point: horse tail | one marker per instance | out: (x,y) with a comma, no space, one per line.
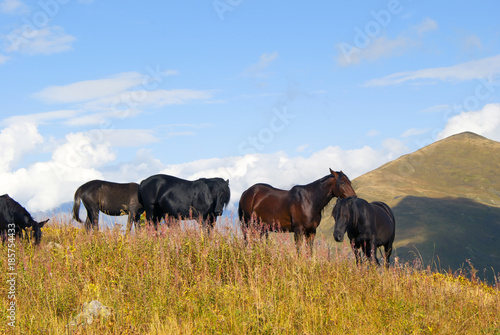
(139,196)
(76,205)
(241,205)
(240,211)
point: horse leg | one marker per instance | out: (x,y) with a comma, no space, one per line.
(130,221)
(299,238)
(244,230)
(93,219)
(310,235)
(355,249)
(150,214)
(208,224)
(387,253)
(370,252)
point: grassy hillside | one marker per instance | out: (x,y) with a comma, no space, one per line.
(181,281)
(446,200)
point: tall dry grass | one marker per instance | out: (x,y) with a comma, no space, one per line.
(181,280)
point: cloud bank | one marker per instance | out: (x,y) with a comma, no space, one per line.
(485,122)
(476,69)
(84,156)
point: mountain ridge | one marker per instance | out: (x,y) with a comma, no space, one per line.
(446,200)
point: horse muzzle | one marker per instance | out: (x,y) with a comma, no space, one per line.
(338,237)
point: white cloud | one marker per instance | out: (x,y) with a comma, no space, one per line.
(426,26)
(283,171)
(81,150)
(472,43)
(100,118)
(485,122)
(3,59)
(48,40)
(160,98)
(257,70)
(373,133)
(45,185)
(90,89)
(80,157)
(15,141)
(302,148)
(120,96)
(12,7)
(380,47)
(366,47)
(476,69)
(38,118)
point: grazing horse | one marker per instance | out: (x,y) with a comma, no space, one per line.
(110,198)
(15,219)
(297,210)
(368,225)
(168,195)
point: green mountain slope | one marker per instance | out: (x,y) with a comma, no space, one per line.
(446,200)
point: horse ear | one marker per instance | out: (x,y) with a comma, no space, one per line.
(332,172)
(41,224)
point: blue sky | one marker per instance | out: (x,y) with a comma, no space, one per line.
(254,91)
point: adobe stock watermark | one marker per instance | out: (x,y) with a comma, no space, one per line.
(40,19)
(11,275)
(280,119)
(364,36)
(223,6)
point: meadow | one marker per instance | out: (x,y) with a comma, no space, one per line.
(181,280)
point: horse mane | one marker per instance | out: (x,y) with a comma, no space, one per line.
(352,209)
(355,211)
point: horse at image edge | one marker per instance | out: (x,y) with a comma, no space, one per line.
(11,212)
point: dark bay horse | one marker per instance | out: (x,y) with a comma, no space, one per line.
(15,219)
(163,195)
(368,225)
(110,198)
(297,210)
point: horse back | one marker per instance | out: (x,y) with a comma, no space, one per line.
(12,212)
(270,204)
(176,196)
(111,198)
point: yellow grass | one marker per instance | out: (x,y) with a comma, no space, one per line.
(180,280)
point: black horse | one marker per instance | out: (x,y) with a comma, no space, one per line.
(163,195)
(15,219)
(297,210)
(368,225)
(110,198)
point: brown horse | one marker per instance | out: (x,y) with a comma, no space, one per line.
(297,210)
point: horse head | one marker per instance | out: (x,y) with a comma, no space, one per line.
(223,196)
(219,193)
(342,187)
(346,214)
(36,230)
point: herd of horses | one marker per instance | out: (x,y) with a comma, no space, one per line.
(262,206)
